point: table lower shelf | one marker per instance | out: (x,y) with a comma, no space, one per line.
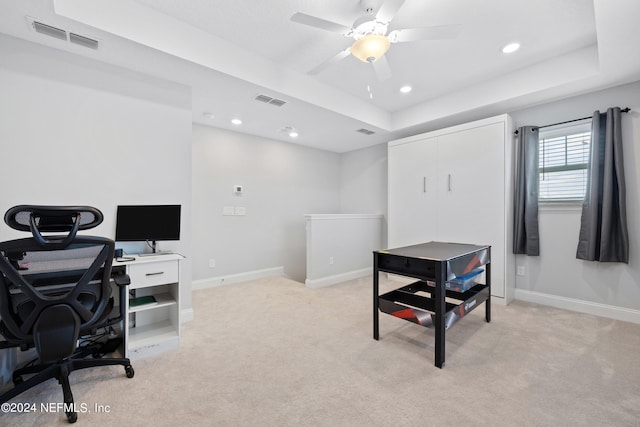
(404,303)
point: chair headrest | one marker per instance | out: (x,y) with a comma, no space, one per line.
(57,219)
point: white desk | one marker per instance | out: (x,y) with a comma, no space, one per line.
(154,327)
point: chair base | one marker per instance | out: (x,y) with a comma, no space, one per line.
(60,371)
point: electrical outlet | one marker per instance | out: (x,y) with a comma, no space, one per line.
(212,263)
(330,260)
(520,271)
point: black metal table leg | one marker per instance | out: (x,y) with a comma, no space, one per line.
(487,303)
(376,314)
(440,310)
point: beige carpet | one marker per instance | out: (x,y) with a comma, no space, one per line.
(272,353)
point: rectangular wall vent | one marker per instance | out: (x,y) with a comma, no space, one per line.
(269,100)
(365,131)
(50,31)
(83,41)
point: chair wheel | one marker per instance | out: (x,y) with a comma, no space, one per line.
(72,417)
(17,380)
(129,370)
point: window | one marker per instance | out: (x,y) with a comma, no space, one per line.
(564,160)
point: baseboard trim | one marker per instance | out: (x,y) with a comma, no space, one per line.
(587,307)
(338,278)
(213,282)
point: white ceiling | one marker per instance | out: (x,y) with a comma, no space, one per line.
(230,51)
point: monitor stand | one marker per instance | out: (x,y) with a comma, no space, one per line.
(154,246)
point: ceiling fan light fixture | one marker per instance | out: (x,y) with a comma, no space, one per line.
(365,26)
(370,48)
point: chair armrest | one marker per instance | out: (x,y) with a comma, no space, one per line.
(122,279)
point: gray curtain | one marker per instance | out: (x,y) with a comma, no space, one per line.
(525,226)
(603,228)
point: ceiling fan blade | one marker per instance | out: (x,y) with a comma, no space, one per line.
(388,10)
(440,32)
(382,69)
(323,24)
(340,56)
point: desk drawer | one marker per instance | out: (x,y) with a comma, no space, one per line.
(153,274)
(413,267)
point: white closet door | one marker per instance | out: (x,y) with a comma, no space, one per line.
(472,190)
(468,192)
(412,192)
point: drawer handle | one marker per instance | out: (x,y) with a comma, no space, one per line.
(155,274)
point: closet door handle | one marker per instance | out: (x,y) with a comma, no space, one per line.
(450,182)
(424,184)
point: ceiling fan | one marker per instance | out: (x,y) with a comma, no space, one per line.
(369,32)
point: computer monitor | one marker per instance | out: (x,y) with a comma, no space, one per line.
(150,223)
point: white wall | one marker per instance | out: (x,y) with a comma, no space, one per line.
(363,180)
(340,247)
(282,182)
(363,183)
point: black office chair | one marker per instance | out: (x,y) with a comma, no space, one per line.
(55,295)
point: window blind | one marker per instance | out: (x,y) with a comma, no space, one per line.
(563,162)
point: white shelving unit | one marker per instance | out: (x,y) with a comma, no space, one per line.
(152,327)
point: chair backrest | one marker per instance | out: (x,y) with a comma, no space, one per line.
(52,283)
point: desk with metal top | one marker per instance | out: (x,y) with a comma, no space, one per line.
(425,302)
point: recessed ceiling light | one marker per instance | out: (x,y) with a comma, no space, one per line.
(406,89)
(511,47)
(293,134)
(236,121)
(208,115)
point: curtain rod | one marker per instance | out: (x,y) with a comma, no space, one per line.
(625,110)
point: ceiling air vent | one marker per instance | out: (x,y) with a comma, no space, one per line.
(59,33)
(269,100)
(263,98)
(50,31)
(365,131)
(83,41)
(277,102)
